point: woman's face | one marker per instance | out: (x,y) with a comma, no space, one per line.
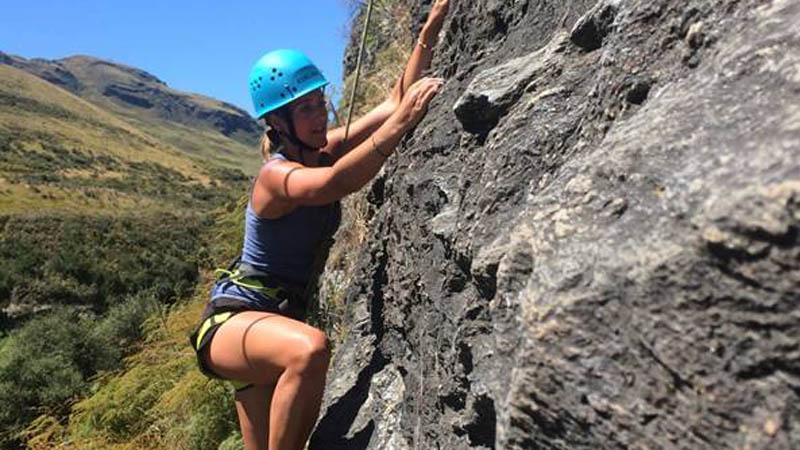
(310,116)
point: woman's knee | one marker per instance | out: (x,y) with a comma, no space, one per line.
(311,355)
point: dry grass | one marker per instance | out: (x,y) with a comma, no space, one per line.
(391,20)
(60,152)
(77,123)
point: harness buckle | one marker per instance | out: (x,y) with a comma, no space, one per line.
(247,276)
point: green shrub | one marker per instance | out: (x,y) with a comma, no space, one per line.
(6,283)
(94,261)
(113,273)
(51,361)
(121,328)
(233,442)
(45,364)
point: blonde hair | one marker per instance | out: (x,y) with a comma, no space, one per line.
(270,140)
(266,146)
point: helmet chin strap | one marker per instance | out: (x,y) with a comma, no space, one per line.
(292,136)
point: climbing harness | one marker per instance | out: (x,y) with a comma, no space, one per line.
(217,312)
(246,276)
(289,301)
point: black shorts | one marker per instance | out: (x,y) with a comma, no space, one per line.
(217,312)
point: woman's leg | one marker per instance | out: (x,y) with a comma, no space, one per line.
(252,407)
(269,351)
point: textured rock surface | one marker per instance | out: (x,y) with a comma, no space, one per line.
(592,241)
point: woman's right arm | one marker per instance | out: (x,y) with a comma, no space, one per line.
(300,185)
(418,63)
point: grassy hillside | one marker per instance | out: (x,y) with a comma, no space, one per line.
(189,122)
(199,126)
(102,226)
(155,397)
(59,152)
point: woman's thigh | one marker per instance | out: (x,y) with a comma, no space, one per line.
(256,347)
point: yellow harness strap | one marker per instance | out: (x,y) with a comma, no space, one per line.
(207,324)
(210,322)
(247,282)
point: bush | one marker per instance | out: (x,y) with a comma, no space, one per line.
(233,442)
(164,400)
(102,277)
(152,396)
(214,421)
(121,328)
(44,365)
(50,361)
(91,261)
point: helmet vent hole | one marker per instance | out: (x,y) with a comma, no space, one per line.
(283,95)
(274,70)
(272,78)
(280,74)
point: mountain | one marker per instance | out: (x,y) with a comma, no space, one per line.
(60,152)
(196,124)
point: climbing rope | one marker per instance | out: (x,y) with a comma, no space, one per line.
(358,70)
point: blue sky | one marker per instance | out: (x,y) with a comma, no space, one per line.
(202,46)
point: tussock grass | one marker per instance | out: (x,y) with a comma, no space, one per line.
(33,108)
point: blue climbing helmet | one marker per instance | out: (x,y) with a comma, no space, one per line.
(281,76)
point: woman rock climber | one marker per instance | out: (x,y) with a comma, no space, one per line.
(252,331)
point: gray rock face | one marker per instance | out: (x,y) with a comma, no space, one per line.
(592,241)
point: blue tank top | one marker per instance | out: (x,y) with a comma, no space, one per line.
(288,246)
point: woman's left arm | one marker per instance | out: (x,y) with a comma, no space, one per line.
(418,63)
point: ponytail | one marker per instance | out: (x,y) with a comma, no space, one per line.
(272,139)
